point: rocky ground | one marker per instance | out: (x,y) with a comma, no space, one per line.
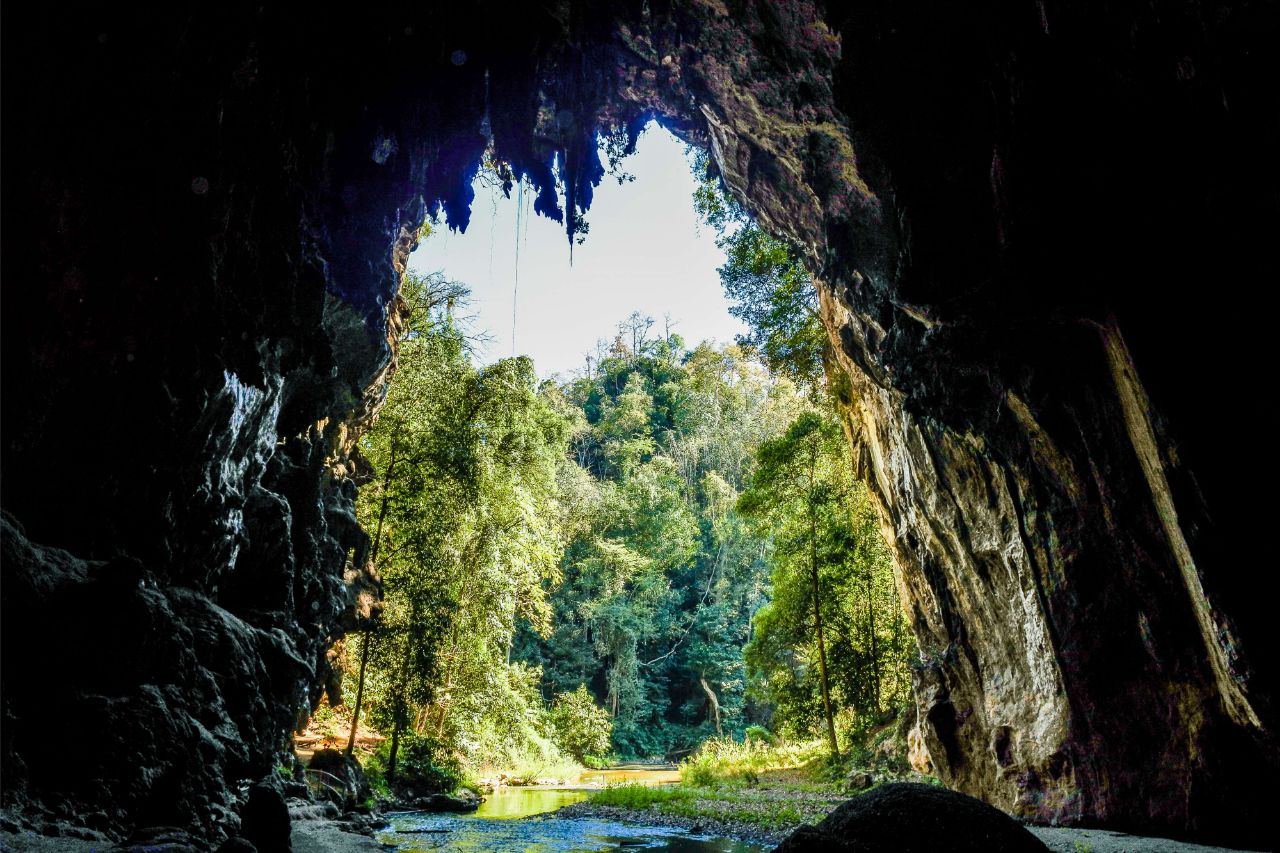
(312,835)
(1064,840)
(1057,839)
(709,824)
(323,835)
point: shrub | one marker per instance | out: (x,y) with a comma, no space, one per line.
(759,734)
(580,726)
(422,763)
(636,796)
(721,760)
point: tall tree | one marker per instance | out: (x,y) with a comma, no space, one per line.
(833,607)
(798,492)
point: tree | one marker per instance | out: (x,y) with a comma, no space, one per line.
(797,491)
(397,444)
(661,575)
(463,505)
(582,727)
(834,608)
(768,286)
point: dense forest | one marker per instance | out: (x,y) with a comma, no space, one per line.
(667,547)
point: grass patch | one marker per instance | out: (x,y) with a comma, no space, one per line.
(529,768)
(724,761)
(641,796)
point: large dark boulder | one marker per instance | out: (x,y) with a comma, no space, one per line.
(908,817)
(264,822)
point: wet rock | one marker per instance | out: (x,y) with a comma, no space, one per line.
(237,845)
(446,803)
(161,839)
(362,824)
(913,818)
(858,780)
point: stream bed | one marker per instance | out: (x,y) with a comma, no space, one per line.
(518,820)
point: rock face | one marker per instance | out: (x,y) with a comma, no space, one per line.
(1021,225)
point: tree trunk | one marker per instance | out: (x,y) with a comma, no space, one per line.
(817,608)
(871,636)
(712,702)
(400,709)
(368,634)
(395,748)
(355,716)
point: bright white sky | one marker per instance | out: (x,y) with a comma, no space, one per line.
(644,252)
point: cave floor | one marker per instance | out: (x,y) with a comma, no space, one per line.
(323,836)
(1064,840)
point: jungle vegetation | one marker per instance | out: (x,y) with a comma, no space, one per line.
(668,547)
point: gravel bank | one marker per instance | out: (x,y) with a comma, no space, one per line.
(700,825)
(1057,839)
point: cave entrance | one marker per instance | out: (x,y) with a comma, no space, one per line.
(609,492)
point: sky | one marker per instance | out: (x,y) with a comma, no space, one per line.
(645,251)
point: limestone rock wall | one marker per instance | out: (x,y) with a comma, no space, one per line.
(993,209)
(1037,234)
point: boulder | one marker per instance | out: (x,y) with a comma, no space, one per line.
(446,803)
(339,779)
(912,818)
(264,822)
(858,780)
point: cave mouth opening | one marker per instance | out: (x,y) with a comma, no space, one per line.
(666,429)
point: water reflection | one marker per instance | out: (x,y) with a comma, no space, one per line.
(631,776)
(512,803)
(516,820)
(546,835)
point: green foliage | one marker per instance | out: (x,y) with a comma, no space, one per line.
(574,570)
(721,761)
(759,734)
(581,727)
(640,796)
(423,763)
(724,804)
(828,557)
(660,574)
(767,285)
(466,532)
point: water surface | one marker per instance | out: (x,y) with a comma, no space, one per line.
(517,820)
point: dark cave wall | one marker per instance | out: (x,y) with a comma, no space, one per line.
(1021,224)
(1026,370)
(202,242)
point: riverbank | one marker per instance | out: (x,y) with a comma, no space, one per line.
(763,811)
(747,818)
(706,821)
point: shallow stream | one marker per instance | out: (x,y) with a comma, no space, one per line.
(517,820)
